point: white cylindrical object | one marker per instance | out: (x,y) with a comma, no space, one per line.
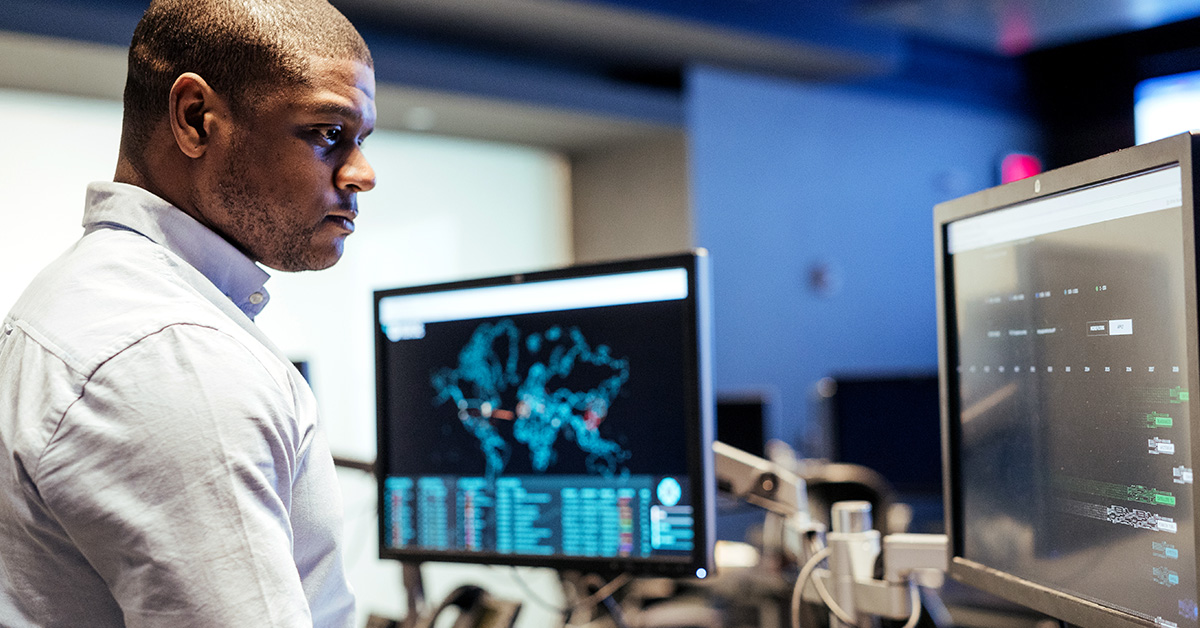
(854,547)
(851,516)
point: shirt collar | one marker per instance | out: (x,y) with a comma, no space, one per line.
(133,208)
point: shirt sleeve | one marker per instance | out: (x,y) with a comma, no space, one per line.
(173,473)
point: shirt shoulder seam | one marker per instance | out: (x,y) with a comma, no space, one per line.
(87,376)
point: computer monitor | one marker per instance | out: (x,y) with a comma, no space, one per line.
(559,419)
(1166,105)
(1068,346)
(742,421)
(889,423)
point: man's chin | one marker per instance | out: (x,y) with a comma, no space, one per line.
(312,260)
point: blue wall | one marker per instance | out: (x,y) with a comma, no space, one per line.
(789,177)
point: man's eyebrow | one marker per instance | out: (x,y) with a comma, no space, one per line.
(337,109)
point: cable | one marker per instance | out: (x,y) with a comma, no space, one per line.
(814,545)
(607,590)
(834,607)
(844,617)
(915,600)
(802,579)
(614,611)
(533,596)
(600,595)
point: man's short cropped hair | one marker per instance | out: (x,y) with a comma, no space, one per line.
(237,46)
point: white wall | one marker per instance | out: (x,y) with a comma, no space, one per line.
(631,199)
(443,209)
(65,142)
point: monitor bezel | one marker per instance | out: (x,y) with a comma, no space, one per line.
(699,434)
(1175,150)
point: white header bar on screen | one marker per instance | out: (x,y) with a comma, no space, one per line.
(1141,194)
(540,296)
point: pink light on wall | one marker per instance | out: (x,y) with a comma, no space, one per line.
(1017,166)
(1015,34)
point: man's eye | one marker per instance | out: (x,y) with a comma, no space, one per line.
(331,135)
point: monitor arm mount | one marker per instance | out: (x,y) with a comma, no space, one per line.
(775,489)
(759,482)
(848,586)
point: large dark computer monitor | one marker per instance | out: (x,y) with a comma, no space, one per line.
(559,418)
(742,421)
(1068,348)
(889,423)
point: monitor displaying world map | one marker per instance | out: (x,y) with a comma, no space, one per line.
(551,416)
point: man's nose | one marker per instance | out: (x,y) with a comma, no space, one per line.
(356,174)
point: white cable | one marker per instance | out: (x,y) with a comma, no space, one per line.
(806,574)
(834,607)
(915,597)
(802,579)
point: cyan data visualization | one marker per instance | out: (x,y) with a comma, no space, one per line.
(532,419)
(546,408)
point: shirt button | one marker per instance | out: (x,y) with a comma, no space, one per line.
(256,298)
(7,329)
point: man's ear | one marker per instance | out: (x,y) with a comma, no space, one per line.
(192,113)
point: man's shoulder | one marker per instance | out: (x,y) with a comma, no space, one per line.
(111,289)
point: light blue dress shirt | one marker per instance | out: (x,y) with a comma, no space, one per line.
(161,463)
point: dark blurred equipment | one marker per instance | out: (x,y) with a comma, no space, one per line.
(889,423)
(830,483)
(476,609)
(302,368)
(741,421)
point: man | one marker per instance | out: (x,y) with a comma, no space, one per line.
(161,464)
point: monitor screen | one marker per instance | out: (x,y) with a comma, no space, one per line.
(1166,105)
(889,423)
(559,418)
(1067,307)
(741,422)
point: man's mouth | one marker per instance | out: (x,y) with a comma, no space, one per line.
(341,221)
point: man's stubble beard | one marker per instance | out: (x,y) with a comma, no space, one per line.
(257,226)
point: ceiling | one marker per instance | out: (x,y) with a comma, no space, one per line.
(623,60)
(1018,26)
(803,38)
(812,37)
(969,52)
